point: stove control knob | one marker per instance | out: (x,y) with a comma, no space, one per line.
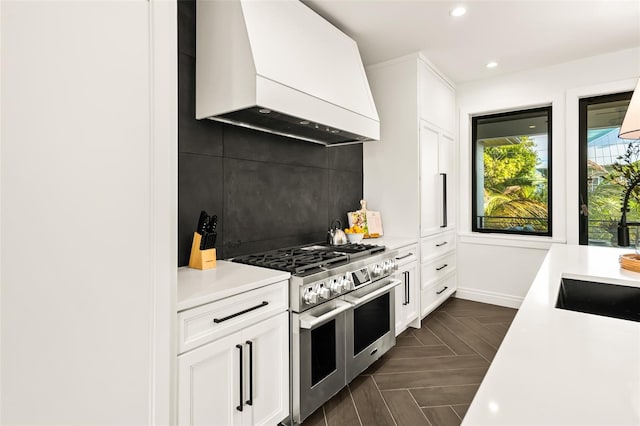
(376,271)
(394,265)
(336,286)
(386,266)
(310,297)
(324,292)
(346,283)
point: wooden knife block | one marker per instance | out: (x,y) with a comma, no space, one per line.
(201,259)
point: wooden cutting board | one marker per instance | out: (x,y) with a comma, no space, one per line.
(368,219)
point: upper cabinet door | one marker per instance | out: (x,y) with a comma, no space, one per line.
(438,100)
(437,180)
(448,185)
(430,181)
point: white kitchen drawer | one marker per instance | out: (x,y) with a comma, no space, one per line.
(437,245)
(437,268)
(434,294)
(209,322)
(407,254)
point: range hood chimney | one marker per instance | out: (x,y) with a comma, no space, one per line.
(277,66)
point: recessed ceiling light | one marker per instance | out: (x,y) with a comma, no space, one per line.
(533,126)
(457,11)
(264,111)
(492,64)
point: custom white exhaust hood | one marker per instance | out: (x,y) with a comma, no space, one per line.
(277,66)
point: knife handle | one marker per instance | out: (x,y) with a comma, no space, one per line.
(202,222)
(213,223)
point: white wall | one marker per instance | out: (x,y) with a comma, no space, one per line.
(498,269)
(87,234)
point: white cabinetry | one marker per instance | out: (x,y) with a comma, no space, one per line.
(438,270)
(98,349)
(437,180)
(239,372)
(437,98)
(410,176)
(407,293)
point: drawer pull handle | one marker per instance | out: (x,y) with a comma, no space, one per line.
(404,257)
(441,291)
(241,382)
(253,308)
(441,244)
(442,267)
(250,400)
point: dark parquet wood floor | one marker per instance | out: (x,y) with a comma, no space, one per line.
(429,377)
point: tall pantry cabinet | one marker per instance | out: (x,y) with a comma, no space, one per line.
(410,176)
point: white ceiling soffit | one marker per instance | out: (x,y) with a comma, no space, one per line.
(517,34)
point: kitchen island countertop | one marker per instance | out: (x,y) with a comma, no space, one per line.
(196,287)
(560,367)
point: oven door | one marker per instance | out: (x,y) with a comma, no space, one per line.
(318,356)
(371,325)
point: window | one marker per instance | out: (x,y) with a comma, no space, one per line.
(603,161)
(511,172)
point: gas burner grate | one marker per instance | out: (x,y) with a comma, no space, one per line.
(294,260)
(358,248)
(304,260)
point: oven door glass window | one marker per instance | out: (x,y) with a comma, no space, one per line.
(370,322)
(323,351)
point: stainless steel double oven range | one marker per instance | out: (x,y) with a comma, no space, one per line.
(342,315)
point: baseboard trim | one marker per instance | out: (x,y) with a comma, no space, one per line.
(490,297)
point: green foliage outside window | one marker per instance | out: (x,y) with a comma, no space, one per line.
(605,199)
(515,192)
(509,165)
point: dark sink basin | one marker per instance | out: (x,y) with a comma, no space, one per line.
(616,301)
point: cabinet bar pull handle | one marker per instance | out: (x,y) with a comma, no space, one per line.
(445,287)
(219,320)
(239,407)
(441,244)
(408,288)
(444,200)
(404,257)
(442,267)
(404,278)
(250,400)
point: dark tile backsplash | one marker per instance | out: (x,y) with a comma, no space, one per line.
(200,187)
(345,189)
(267,190)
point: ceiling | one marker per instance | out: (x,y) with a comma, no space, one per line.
(518,34)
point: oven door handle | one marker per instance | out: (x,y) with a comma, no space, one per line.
(308,321)
(361,300)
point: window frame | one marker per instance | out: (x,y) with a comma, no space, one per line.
(474,177)
(583,104)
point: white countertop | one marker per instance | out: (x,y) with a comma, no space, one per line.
(559,367)
(391,242)
(196,287)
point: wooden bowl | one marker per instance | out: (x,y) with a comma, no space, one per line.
(630,262)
